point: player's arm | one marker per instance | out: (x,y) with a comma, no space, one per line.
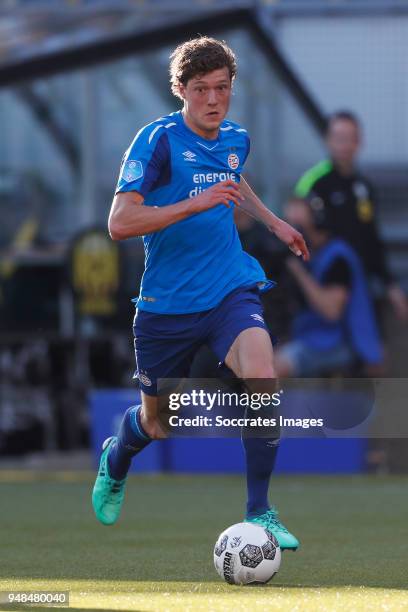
(329,301)
(129,217)
(285,232)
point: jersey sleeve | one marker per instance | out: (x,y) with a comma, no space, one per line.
(146,164)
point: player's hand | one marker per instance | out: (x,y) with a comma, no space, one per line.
(220,193)
(294,239)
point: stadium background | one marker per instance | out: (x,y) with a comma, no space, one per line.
(77,80)
(65,290)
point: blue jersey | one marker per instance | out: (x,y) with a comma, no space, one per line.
(193,264)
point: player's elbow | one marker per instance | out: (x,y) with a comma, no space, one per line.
(125,218)
(115,235)
(118,224)
(118,229)
(115,230)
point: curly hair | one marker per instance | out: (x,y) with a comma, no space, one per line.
(197,57)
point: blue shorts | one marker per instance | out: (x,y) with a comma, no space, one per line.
(165,345)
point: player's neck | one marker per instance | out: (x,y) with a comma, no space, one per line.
(206,134)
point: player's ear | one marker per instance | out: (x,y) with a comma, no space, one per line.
(182,90)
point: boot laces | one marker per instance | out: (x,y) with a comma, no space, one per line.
(273,522)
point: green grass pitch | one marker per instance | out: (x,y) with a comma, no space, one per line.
(354,535)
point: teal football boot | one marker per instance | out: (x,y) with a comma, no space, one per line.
(108,493)
(270,521)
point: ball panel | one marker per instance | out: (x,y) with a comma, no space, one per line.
(272,538)
(269,550)
(251,555)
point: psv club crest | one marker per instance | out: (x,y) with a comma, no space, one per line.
(233,161)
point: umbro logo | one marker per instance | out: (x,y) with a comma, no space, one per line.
(189,156)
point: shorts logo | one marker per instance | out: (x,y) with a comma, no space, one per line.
(233,161)
(145,380)
(258,317)
(132,170)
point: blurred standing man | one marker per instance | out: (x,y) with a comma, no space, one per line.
(349,202)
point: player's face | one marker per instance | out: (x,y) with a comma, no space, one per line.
(343,141)
(206,101)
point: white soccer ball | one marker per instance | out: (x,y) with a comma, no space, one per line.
(245,553)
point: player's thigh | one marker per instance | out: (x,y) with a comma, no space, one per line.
(251,354)
(163,350)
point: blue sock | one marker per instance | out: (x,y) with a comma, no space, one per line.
(260,454)
(131,440)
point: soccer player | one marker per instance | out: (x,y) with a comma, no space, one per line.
(179,182)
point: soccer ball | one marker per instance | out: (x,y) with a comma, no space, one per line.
(245,553)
